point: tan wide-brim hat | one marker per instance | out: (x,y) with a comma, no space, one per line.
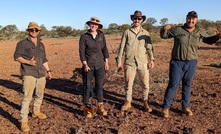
(95,20)
(138,13)
(33,25)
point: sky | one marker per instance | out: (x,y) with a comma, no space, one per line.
(76,13)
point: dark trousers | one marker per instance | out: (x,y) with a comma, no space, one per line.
(98,75)
(180,71)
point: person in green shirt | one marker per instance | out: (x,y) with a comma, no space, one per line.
(184,59)
(137,47)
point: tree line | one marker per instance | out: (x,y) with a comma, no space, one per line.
(10,32)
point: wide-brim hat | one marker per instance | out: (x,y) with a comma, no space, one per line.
(95,20)
(138,13)
(33,25)
(192,14)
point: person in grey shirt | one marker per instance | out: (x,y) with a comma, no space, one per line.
(34,68)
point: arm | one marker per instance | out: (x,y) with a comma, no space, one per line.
(31,62)
(106,54)
(48,70)
(164,32)
(121,50)
(212,39)
(82,48)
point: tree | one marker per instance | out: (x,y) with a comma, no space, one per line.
(151,20)
(9,31)
(113,26)
(164,21)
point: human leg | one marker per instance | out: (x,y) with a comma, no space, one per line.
(99,79)
(144,77)
(39,94)
(28,83)
(130,73)
(190,70)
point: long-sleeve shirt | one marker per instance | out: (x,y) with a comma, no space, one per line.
(186,44)
(137,48)
(28,50)
(94,51)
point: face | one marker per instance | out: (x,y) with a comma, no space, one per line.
(137,21)
(191,21)
(93,27)
(33,32)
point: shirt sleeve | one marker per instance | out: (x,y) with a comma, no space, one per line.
(121,47)
(82,49)
(19,50)
(105,50)
(208,39)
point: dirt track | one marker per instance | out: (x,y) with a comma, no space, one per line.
(62,99)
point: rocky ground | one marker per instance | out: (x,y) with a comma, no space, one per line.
(63,95)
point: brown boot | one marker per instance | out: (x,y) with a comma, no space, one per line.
(88,114)
(146,106)
(188,112)
(126,106)
(165,113)
(38,113)
(25,126)
(101,110)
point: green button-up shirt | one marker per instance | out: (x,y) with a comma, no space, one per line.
(186,44)
(137,48)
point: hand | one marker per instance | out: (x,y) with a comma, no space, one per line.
(167,27)
(151,64)
(119,67)
(86,68)
(32,62)
(49,76)
(218,33)
(106,66)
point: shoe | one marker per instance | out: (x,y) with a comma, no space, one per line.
(165,113)
(188,112)
(25,126)
(147,107)
(88,114)
(126,106)
(101,110)
(40,115)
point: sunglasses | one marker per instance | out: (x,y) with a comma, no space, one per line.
(137,18)
(95,20)
(33,30)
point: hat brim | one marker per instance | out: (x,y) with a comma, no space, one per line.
(132,16)
(100,26)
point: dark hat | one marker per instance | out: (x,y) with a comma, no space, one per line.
(138,13)
(192,14)
(95,20)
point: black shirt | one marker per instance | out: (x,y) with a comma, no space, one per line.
(94,51)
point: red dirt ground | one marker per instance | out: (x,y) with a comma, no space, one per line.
(63,95)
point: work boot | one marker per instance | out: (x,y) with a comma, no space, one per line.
(187,111)
(38,113)
(101,110)
(126,105)
(25,126)
(165,113)
(146,106)
(88,114)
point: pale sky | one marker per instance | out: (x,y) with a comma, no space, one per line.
(75,13)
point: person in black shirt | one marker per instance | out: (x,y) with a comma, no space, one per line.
(94,57)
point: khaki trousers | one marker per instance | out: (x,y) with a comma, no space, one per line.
(143,73)
(31,84)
